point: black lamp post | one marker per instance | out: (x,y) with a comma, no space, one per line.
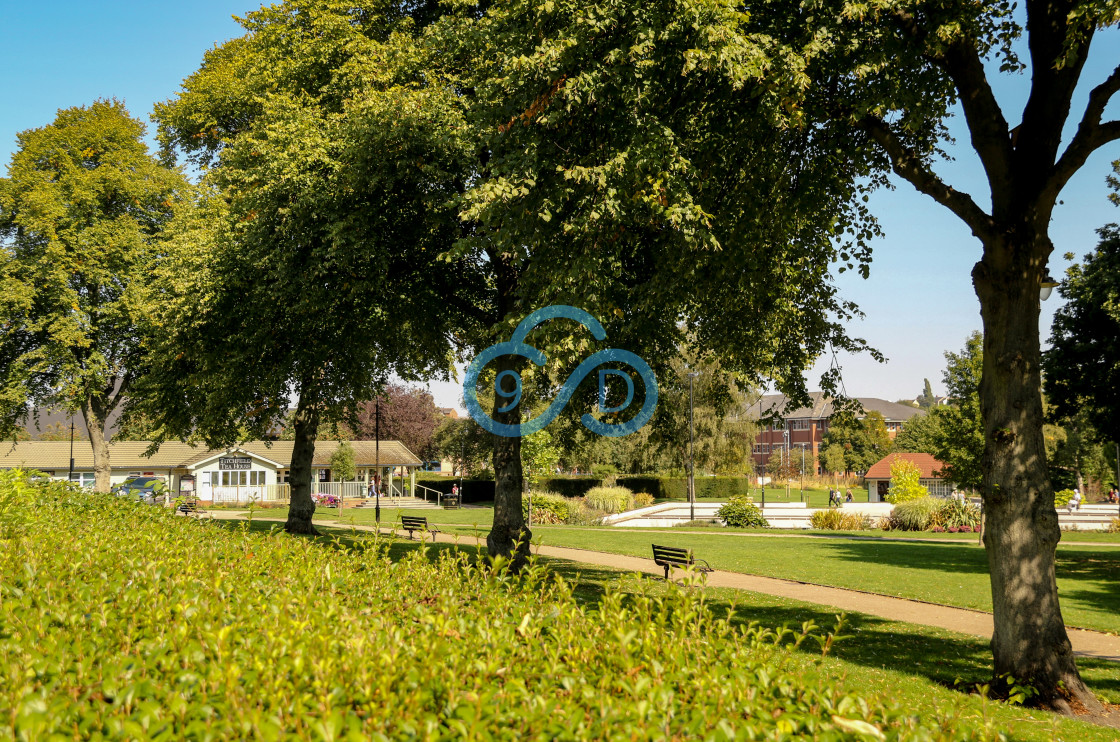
(71,477)
(691,458)
(377,460)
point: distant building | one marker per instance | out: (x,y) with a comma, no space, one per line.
(804,428)
(248,470)
(878,477)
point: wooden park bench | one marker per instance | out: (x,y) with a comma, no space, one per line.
(193,507)
(412,523)
(671,556)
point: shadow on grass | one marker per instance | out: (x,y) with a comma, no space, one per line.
(942,657)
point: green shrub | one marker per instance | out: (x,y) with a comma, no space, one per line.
(906,483)
(955,514)
(582,514)
(741,512)
(914,515)
(717,488)
(549,508)
(1062,498)
(610,499)
(569,486)
(642,499)
(835,519)
(602,471)
(1114,526)
(197,630)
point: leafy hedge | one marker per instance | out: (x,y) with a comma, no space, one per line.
(474,490)
(165,627)
(673,488)
(722,488)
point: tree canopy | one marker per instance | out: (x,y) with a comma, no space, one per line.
(331,163)
(82,214)
(1082,366)
(959,442)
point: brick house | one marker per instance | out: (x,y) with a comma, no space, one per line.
(806,426)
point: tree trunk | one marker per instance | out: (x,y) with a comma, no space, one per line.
(306,428)
(1021,536)
(508,536)
(94,415)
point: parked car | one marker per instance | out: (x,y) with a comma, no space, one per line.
(146,489)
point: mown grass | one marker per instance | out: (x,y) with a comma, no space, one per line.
(948,573)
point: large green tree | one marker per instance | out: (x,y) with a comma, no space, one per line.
(920,433)
(332,163)
(890,72)
(81,216)
(637,160)
(864,440)
(1083,363)
(959,439)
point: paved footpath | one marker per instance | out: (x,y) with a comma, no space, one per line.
(1092,644)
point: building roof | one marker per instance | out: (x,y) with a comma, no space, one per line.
(821,407)
(927,465)
(53,455)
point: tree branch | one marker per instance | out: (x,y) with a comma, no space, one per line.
(1091,134)
(987,127)
(906,163)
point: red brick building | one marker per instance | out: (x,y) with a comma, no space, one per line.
(804,428)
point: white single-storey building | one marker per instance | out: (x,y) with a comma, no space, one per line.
(878,477)
(256,470)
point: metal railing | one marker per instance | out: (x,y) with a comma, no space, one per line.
(425,490)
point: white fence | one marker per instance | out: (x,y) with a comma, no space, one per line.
(261,493)
(353,490)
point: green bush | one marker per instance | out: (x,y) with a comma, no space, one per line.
(172,628)
(602,471)
(1114,526)
(955,514)
(610,499)
(1062,498)
(717,488)
(835,519)
(906,483)
(741,512)
(582,514)
(569,486)
(914,515)
(549,508)
(642,499)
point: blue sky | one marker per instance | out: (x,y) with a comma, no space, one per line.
(919,299)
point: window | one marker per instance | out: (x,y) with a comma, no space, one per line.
(257,478)
(234,478)
(84,478)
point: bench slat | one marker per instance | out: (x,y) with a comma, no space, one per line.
(674,556)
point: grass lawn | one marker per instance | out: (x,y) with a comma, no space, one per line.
(914,666)
(947,573)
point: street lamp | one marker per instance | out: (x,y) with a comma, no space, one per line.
(1047,286)
(376,461)
(691,460)
(71,478)
(785,456)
